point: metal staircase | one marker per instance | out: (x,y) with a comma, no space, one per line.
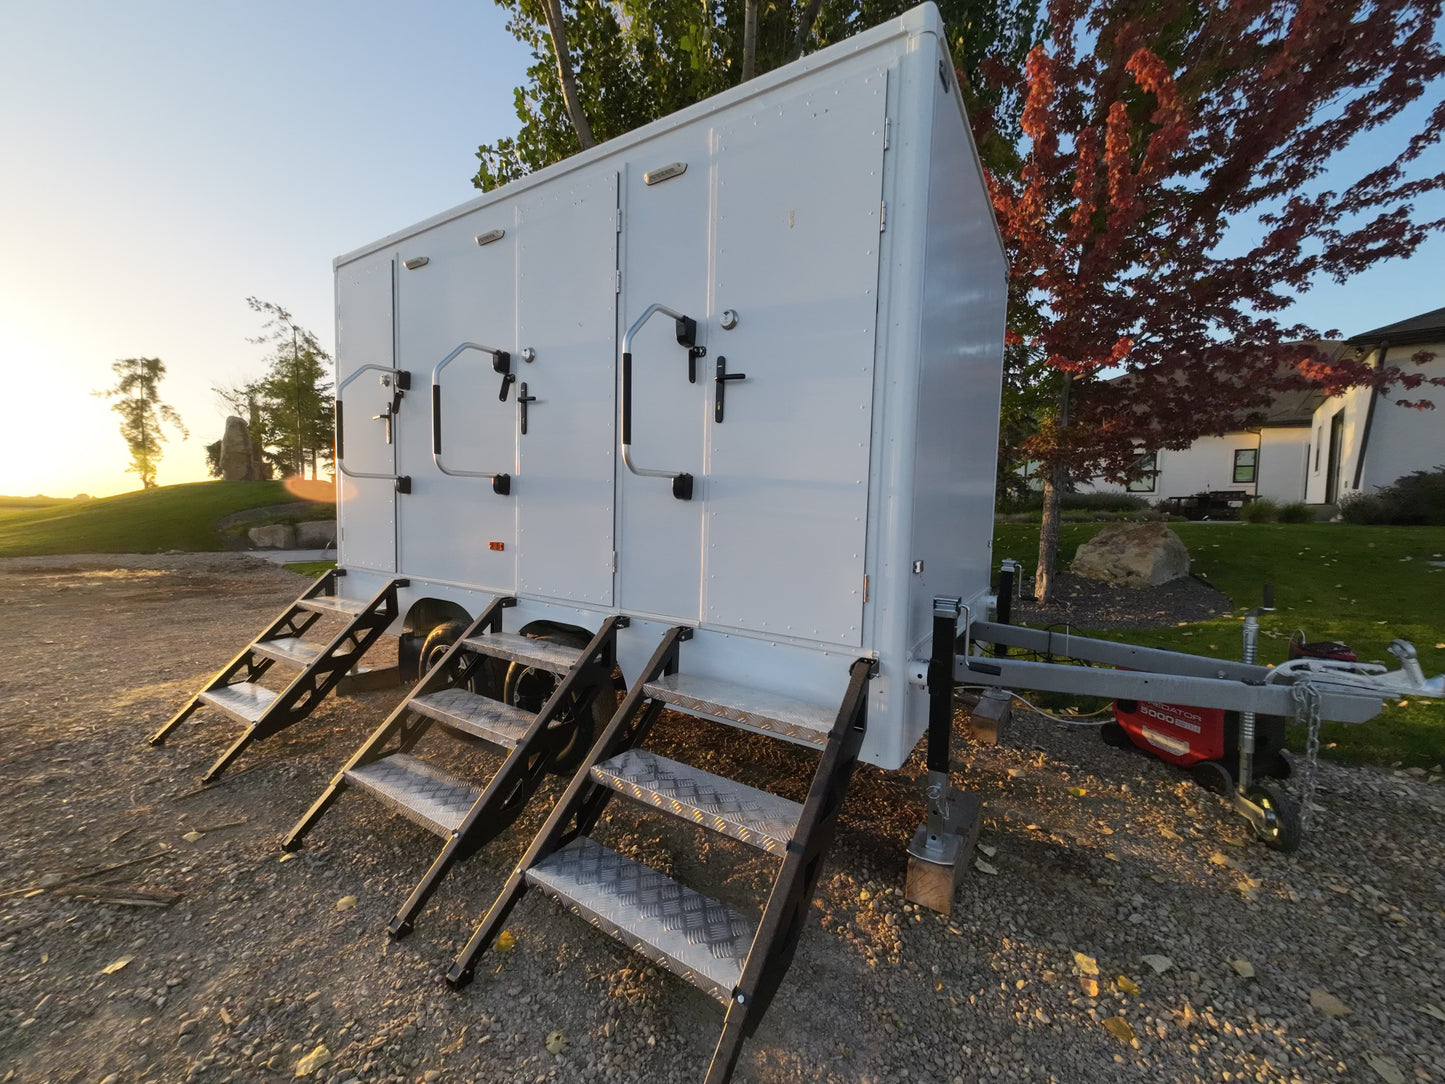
(465,814)
(714,947)
(237,690)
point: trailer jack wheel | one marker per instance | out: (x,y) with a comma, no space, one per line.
(1280,827)
(576,723)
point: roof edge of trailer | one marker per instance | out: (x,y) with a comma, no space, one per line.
(924,19)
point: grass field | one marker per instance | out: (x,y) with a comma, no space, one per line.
(1361,585)
(180,517)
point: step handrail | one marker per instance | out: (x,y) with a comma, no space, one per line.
(501,363)
(400,376)
(687,330)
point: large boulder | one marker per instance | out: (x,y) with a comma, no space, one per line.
(274,536)
(238,453)
(316,534)
(1133,555)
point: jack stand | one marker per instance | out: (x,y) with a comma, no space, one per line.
(1275,819)
(942,846)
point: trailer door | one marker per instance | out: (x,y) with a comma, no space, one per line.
(455,526)
(366,486)
(566,323)
(797,232)
(666,199)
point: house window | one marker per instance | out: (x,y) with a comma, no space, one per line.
(1245,461)
(1146,471)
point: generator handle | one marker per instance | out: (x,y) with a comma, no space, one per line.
(400,378)
(687,329)
(501,362)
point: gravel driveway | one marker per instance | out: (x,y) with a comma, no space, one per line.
(1121,927)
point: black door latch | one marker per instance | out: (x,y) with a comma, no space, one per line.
(723,376)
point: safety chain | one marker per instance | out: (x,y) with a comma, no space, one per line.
(1307,711)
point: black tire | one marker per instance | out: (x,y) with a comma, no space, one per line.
(1212,776)
(573,730)
(486,680)
(1283,831)
(1113,734)
(437,643)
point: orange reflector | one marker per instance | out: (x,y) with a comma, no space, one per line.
(496,546)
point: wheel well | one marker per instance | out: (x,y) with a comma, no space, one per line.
(425,614)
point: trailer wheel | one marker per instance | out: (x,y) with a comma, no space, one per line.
(487,680)
(1282,831)
(575,725)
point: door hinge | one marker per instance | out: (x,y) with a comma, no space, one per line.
(619,220)
(617,282)
(887,127)
(614,560)
(865,588)
(882,215)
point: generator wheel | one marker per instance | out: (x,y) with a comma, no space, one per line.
(1282,831)
(1212,776)
(1113,734)
(529,687)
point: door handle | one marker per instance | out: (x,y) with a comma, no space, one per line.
(721,380)
(522,400)
(501,363)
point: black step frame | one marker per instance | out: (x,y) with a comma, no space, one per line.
(522,771)
(308,688)
(581,804)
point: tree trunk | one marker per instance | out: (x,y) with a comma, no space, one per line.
(750,39)
(1054,483)
(1056,480)
(557,26)
(805,27)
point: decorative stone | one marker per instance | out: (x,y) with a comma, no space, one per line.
(273,536)
(1133,555)
(316,534)
(239,462)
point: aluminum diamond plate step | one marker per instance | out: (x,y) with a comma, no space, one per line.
(479,715)
(723,805)
(782,715)
(527,650)
(330,604)
(288,649)
(245,700)
(692,936)
(419,791)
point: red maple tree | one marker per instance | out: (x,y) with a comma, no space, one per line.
(1174,200)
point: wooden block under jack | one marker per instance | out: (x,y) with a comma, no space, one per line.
(990,716)
(933,884)
(363,679)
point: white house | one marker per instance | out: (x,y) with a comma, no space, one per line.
(1316,449)
(1365,439)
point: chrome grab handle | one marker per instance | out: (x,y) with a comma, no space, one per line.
(687,335)
(501,363)
(401,379)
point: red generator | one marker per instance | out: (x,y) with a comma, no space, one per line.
(1206,740)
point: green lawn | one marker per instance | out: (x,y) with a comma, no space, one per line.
(1362,585)
(180,517)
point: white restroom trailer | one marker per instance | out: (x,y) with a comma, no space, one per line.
(800,484)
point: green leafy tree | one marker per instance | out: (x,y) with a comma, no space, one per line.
(138,402)
(633,61)
(289,410)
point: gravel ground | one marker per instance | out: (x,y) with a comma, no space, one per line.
(150,932)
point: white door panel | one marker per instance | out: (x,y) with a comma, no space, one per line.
(456,528)
(567,314)
(364,336)
(797,218)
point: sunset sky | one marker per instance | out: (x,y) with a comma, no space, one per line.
(161,161)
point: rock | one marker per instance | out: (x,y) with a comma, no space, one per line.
(1133,554)
(313,1061)
(316,534)
(239,459)
(273,536)
(1327,1003)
